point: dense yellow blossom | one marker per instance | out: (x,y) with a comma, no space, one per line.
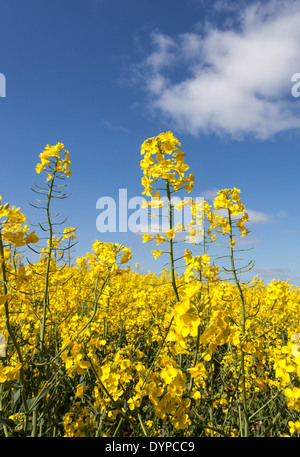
(96,348)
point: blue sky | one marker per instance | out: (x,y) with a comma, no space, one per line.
(102,76)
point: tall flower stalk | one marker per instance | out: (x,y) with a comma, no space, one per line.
(55,161)
(163,161)
(229,199)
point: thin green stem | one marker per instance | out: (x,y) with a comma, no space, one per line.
(245,412)
(47,274)
(171,254)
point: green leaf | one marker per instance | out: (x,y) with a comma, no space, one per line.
(32,403)
(16,397)
(8,422)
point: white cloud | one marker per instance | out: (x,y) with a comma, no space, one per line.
(258,217)
(255,217)
(210,194)
(281,214)
(273,273)
(235,81)
(164,55)
(112,126)
(247,241)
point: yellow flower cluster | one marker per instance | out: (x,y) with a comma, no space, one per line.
(164,160)
(61,164)
(12,229)
(228,199)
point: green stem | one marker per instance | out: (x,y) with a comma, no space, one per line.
(142,425)
(46,293)
(119,426)
(5,429)
(172,270)
(46,287)
(34,423)
(246,425)
(171,253)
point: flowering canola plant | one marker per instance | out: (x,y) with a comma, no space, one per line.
(96,348)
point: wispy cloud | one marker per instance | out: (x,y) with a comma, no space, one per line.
(281,214)
(113,126)
(210,194)
(247,241)
(258,217)
(255,217)
(233,81)
(273,273)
